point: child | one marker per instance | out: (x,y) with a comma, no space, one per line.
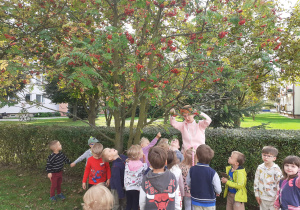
(174,146)
(267,177)
(55,164)
(98,198)
(203,180)
(117,176)
(288,195)
(185,166)
(235,188)
(193,134)
(174,168)
(159,189)
(146,145)
(134,170)
(97,171)
(87,154)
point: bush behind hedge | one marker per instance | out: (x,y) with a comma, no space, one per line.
(27,145)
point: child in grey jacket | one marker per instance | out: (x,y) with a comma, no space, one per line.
(87,154)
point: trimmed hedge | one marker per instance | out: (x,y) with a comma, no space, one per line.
(27,145)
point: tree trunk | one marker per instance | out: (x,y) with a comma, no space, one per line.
(142,116)
(119,129)
(92,113)
(108,117)
(166,118)
(75,111)
(131,131)
(237,122)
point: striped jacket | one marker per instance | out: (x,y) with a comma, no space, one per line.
(55,162)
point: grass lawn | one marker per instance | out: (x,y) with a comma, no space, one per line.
(277,121)
(30,190)
(100,121)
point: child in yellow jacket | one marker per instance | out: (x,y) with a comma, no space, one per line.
(235,188)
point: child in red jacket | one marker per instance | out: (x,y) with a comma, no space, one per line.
(97,171)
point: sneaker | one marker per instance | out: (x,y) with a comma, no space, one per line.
(61,196)
(53,199)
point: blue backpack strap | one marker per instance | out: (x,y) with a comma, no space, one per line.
(280,182)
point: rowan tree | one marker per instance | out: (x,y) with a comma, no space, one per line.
(138,53)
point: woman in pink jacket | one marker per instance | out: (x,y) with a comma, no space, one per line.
(193,134)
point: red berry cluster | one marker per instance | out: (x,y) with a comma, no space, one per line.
(159,55)
(277,47)
(128,11)
(129,37)
(222,34)
(242,22)
(139,67)
(9,37)
(172,13)
(175,71)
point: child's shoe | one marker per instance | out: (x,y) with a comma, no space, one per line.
(53,199)
(61,196)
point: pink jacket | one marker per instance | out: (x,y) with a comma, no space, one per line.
(193,134)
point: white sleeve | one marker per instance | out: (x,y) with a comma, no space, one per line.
(217,184)
(178,201)
(142,199)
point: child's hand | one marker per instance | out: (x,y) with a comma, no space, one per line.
(172,111)
(224,180)
(158,135)
(108,182)
(50,176)
(84,186)
(72,165)
(258,200)
(217,195)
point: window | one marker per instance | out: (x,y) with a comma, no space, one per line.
(27,97)
(40,99)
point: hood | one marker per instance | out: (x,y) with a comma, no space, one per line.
(160,181)
(135,165)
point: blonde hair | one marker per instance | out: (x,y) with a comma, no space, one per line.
(97,149)
(52,144)
(98,198)
(143,140)
(163,141)
(104,156)
(188,157)
(164,146)
(240,157)
(134,152)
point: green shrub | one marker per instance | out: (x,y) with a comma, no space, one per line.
(57,114)
(27,146)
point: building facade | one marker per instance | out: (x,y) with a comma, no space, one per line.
(290,101)
(33,100)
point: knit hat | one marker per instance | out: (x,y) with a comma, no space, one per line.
(92,140)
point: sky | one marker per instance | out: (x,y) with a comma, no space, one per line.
(287,5)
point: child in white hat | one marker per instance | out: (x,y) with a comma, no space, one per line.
(86,154)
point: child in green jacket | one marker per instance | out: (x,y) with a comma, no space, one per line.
(235,188)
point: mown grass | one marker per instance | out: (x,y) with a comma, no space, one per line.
(276,120)
(30,190)
(100,121)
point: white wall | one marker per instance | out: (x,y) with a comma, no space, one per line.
(297,99)
(34,89)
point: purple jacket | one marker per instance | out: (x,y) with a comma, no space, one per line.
(147,148)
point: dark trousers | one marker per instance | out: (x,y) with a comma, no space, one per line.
(132,197)
(56,181)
